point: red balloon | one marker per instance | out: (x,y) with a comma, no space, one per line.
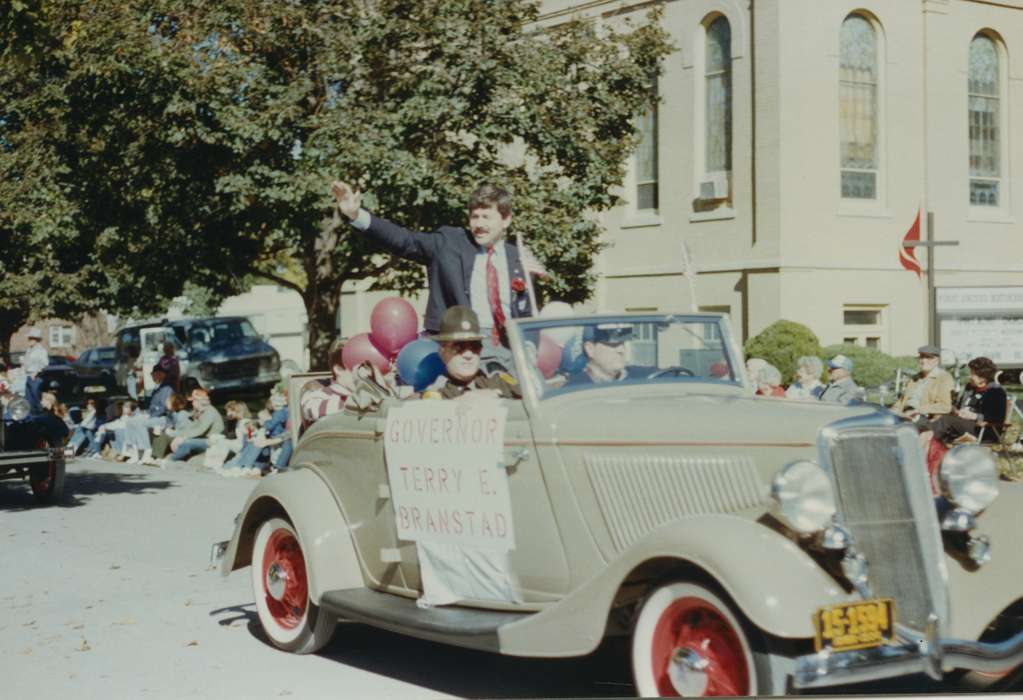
(548,356)
(359,349)
(392,324)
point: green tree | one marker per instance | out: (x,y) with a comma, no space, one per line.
(193,141)
(781,344)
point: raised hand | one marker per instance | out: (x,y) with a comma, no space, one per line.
(348,198)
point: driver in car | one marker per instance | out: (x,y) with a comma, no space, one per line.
(604,347)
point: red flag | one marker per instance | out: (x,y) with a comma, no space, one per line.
(907,254)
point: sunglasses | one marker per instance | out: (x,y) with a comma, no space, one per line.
(474,346)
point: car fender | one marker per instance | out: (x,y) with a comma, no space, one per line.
(300,495)
(774,583)
(978,595)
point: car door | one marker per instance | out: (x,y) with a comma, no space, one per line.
(84,366)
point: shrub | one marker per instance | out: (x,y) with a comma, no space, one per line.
(871,367)
(781,344)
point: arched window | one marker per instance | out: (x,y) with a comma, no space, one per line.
(857,106)
(718,90)
(985,123)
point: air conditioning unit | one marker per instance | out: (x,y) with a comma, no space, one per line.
(715,187)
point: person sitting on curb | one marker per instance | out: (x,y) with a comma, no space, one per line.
(929,393)
(460,346)
(195,439)
(841,388)
(255,453)
(156,417)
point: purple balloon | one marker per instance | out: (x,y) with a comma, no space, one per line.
(393,323)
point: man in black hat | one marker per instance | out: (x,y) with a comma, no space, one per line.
(929,392)
(460,346)
(604,347)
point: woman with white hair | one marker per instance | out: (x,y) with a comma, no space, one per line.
(808,379)
(769,381)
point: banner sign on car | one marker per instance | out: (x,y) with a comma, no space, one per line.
(447,481)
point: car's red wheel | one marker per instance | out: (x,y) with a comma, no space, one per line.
(280,583)
(48,485)
(688,642)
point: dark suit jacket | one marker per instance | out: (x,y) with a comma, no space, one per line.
(449,254)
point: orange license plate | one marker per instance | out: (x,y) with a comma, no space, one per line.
(869,623)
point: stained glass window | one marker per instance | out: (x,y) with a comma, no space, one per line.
(985,132)
(719,96)
(857,106)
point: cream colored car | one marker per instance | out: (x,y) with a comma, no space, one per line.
(747,545)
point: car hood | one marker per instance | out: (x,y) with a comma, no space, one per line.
(615,415)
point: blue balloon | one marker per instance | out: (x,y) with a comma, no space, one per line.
(419,364)
(572,358)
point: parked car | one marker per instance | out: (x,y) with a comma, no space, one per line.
(32,449)
(746,545)
(95,370)
(223,354)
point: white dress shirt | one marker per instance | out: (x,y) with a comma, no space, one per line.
(478,297)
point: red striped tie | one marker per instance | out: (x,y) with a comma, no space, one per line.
(494,295)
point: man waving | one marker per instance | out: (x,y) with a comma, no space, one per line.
(475,267)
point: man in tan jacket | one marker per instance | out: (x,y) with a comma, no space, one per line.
(929,392)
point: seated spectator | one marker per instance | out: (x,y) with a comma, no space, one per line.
(983,402)
(808,379)
(841,388)
(929,393)
(138,445)
(769,382)
(753,367)
(460,346)
(84,436)
(195,439)
(320,399)
(255,455)
(178,418)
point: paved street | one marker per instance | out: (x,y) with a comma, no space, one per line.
(109,595)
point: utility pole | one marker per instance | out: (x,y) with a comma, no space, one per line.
(930,244)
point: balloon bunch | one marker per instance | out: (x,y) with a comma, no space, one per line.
(392,342)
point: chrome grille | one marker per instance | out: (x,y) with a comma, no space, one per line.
(237,369)
(876,504)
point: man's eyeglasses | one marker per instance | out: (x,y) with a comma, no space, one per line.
(474,346)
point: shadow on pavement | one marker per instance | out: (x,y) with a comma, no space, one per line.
(464,672)
(79,488)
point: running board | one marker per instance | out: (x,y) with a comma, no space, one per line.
(465,627)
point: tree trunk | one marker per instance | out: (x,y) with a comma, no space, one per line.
(321,305)
(10,321)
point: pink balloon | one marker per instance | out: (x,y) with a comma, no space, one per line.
(548,356)
(392,324)
(359,349)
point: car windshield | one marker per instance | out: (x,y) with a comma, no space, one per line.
(219,332)
(59,360)
(577,354)
(104,355)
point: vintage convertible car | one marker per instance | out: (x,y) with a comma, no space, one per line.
(747,545)
(32,447)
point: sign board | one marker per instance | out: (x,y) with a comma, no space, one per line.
(981,321)
(1000,339)
(972,300)
(447,481)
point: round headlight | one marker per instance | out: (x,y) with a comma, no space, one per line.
(805,499)
(19,409)
(969,478)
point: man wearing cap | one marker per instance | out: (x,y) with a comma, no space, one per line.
(460,345)
(929,392)
(475,267)
(206,422)
(34,362)
(841,388)
(604,348)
